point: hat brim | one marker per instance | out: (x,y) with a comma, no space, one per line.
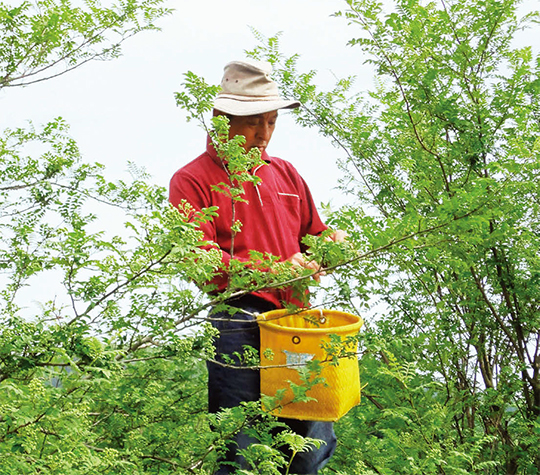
(245,107)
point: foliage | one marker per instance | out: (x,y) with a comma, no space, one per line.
(46,38)
(100,376)
(105,373)
(442,169)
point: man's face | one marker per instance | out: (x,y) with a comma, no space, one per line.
(257,129)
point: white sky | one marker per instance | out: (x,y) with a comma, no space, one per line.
(125,110)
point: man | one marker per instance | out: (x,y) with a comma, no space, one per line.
(276,214)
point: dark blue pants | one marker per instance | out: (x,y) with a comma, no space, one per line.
(227,387)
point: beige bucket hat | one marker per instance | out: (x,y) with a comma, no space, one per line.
(246,89)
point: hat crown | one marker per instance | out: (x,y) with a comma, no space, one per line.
(249,78)
(247,89)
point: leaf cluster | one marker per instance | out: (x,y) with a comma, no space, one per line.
(43,39)
(441,166)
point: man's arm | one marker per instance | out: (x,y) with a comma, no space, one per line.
(197,192)
(311,224)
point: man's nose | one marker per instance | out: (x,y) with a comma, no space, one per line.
(264,131)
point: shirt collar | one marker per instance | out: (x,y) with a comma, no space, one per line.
(213,154)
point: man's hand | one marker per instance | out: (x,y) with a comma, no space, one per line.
(337,236)
(298,260)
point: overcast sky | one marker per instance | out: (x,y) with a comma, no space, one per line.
(125,110)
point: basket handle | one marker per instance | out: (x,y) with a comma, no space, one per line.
(322,317)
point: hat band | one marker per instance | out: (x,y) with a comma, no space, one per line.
(236,97)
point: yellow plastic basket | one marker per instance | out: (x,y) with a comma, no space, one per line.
(294,339)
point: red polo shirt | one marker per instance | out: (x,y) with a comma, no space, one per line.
(278,213)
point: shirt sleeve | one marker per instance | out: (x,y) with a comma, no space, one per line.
(196,192)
